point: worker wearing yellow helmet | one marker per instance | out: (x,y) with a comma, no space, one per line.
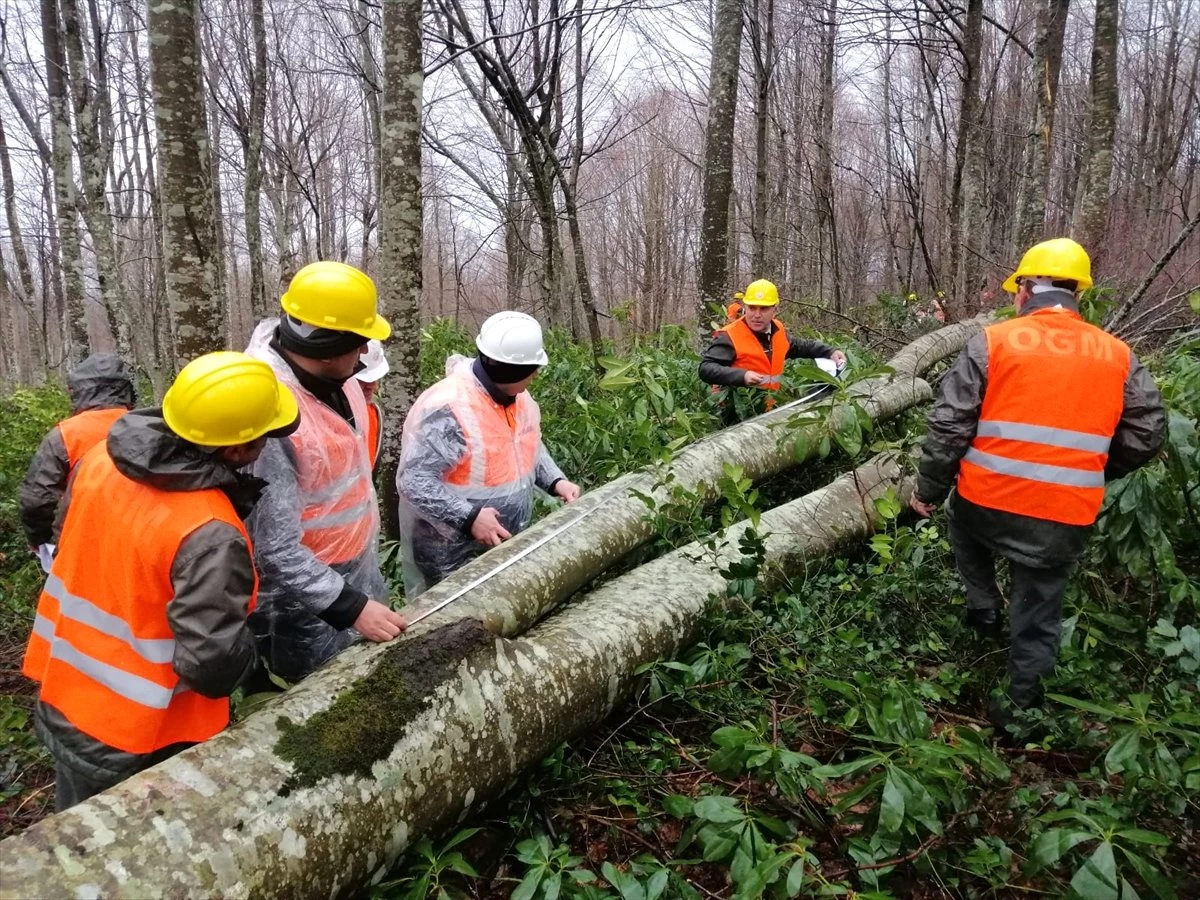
(751,351)
(141,631)
(316,528)
(1037,413)
(733,311)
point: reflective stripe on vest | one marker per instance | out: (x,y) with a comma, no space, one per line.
(83,431)
(1054,397)
(70,606)
(102,646)
(1043,434)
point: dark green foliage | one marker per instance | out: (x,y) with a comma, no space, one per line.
(25,417)
(831,739)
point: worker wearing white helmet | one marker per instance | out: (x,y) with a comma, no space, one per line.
(472,453)
(374,367)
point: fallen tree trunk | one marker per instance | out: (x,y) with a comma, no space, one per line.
(512,600)
(234,819)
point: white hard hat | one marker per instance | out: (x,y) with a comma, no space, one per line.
(375,364)
(512,337)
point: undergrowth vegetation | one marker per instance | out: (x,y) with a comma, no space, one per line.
(828,738)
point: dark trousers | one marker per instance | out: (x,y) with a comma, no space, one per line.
(1035,610)
(75,783)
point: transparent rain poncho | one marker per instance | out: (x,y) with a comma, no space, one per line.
(460,452)
(315,529)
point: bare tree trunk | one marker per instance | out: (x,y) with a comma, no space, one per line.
(400,242)
(570,189)
(193,261)
(826,210)
(93,126)
(718,160)
(1091,211)
(763,46)
(252,194)
(64,181)
(20,256)
(1052,26)
(965,187)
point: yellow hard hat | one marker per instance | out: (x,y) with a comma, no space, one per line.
(738,295)
(761,293)
(336,296)
(1060,258)
(227,398)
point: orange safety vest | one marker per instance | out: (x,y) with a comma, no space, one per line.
(102,646)
(339,517)
(502,441)
(1055,393)
(749,354)
(84,430)
(374,432)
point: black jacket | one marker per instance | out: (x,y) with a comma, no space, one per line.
(716,363)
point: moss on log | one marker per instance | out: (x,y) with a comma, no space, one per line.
(364,723)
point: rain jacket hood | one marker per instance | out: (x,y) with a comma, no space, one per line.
(146,450)
(101,381)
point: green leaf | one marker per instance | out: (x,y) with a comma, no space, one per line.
(717,844)
(463,835)
(678,805)
(1142,836)
(891,805)
(1151,875)
(803,446)
(657,884)
(1194,302)
(552,887)
(1051,845)
(795,879)
(718,809)
(528,886)
(1123,752)
(1086,705)
(841,770)
(1097,878)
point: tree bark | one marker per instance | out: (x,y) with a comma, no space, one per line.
(20,255)
(226,819)
(570,190)
(966,185)
(764,69)
(93,127)
(718,161)
(400,214)
(192,257)
(826,211)
(1052,26)
(64,181)
(252,193)
(1091,211)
